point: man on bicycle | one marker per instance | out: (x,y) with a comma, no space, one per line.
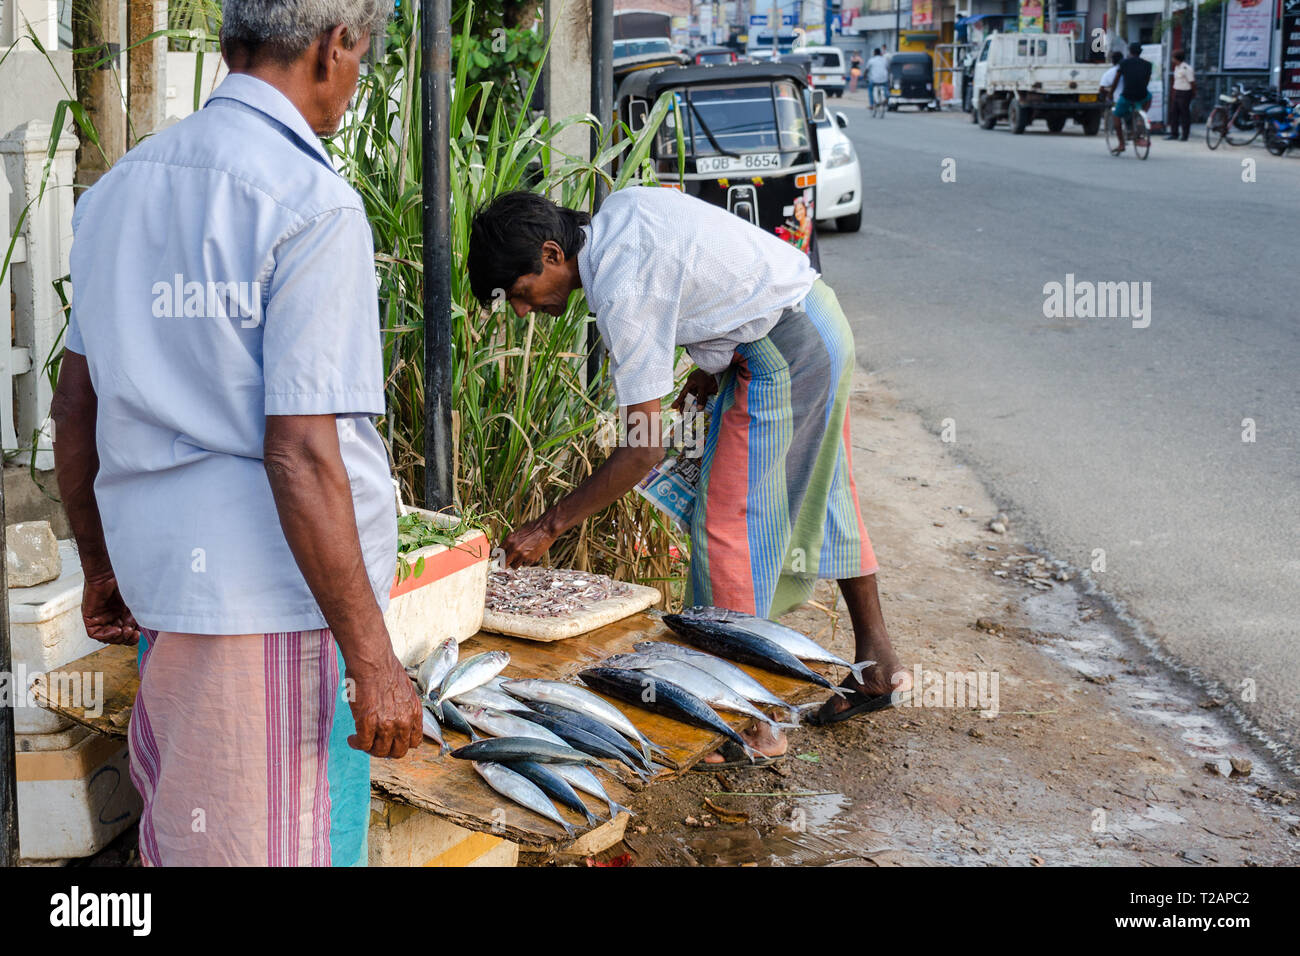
(877,76)
(1133,78)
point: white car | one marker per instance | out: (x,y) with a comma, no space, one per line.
(827,68)
(839,175)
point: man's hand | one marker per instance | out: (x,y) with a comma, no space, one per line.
(386,709)
(529,542)
(700,384)
(105,614)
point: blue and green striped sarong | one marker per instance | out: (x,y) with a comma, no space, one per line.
(777,508)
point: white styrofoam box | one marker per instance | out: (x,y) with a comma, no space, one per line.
(47,632)
(41,743)
(74,802)
(445,601)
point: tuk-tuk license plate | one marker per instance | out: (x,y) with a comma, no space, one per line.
(1087,97)
(733,164)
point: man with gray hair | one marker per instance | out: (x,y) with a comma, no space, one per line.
(215,453)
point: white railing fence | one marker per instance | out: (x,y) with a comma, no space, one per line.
(27,287)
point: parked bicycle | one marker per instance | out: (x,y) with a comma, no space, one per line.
(1137,132)
(1237,118)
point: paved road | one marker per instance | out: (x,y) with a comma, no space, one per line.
(1096,434)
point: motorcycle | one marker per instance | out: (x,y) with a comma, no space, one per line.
(1281,127)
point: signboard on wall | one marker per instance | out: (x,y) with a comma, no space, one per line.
(1290,82)
(1246,29)
(1031,16)
(922,13)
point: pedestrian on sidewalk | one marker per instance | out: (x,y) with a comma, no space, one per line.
(855,71)
(776,507)
(1180,102)
(230,497)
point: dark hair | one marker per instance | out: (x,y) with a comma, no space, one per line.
(1179,55)
(876,52)
(506,238)
(1135,49)
(1116,57)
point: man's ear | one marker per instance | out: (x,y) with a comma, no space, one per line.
(329,50)
(552,253)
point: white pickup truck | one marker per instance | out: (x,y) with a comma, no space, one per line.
(1024,76)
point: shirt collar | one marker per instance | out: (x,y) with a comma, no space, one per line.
(584,259)
(266,99)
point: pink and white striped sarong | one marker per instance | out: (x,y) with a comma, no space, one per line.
(239,749)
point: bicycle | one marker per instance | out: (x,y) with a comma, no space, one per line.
(880,102)
(1137,129)
(1235,119)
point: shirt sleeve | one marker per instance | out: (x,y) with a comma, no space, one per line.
(321,350)
(640,333)
(72,338)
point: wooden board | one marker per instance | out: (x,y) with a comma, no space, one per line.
(450,788)
(571,625)
(121,680)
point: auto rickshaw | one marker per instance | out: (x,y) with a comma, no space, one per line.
(750,146)
(911,81)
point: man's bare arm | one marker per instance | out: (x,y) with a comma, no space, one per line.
(616,476)
(75,410)
(314,500)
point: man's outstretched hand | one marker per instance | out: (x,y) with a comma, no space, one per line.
(528,543)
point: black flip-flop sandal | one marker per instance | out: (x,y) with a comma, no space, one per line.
(858,705)
(733,758)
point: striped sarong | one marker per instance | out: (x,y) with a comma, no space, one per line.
(239,749)
(777,508)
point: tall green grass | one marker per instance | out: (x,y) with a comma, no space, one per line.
(528,425)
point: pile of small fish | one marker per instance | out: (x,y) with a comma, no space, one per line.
(548,592)
(544,737)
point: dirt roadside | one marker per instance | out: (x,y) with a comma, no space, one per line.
(1095,756)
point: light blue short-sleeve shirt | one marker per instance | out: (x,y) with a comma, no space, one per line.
(223,271)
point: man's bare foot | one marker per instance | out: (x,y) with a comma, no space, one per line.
(886,676)
(761,738)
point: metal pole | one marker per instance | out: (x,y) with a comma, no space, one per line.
(435,82)
(602,105)
(1191,51)
(8,760)
(602,81)
(1166,51)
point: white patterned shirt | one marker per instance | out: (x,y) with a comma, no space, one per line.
(661,269)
